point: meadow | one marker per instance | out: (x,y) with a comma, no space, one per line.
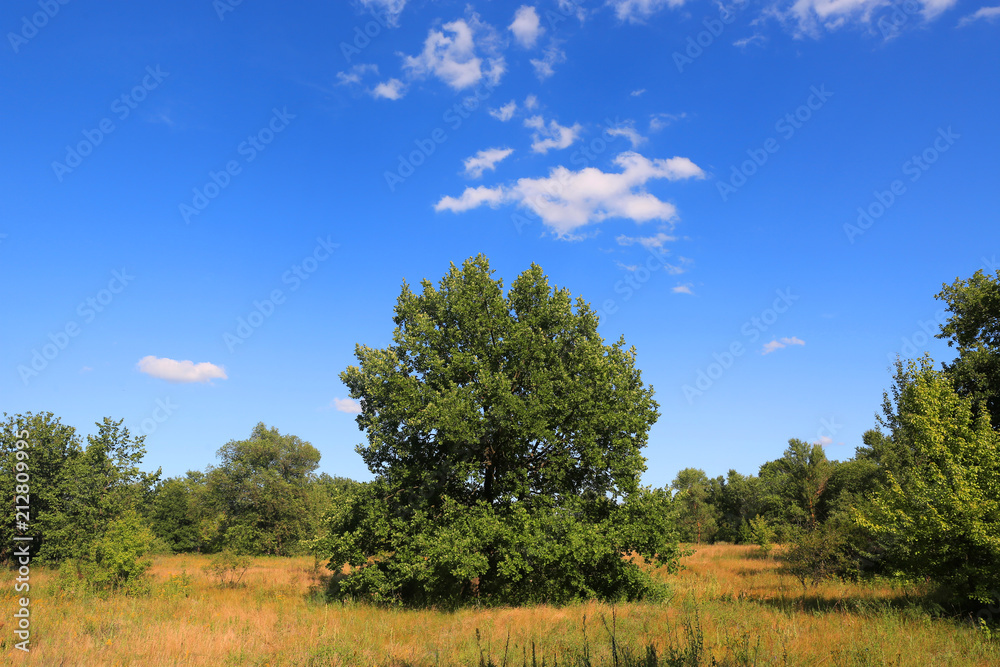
(729,606)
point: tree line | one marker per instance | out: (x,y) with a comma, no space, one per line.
(505,440)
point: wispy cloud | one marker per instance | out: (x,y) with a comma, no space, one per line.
(778,344)
(348,405)
(452,56)
(982,14)
(485,160)
(655,241)
(545,66)
(683,289)
(505,112)
(180,371)
(628,131)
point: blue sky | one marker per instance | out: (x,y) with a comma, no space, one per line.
(205,206)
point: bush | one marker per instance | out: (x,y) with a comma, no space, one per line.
(115,561)
(821,554)
(762,534)
(228,567)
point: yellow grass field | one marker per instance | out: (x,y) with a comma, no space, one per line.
(728,605)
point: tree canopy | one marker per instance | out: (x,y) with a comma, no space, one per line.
(508,415)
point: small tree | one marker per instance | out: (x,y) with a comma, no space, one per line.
(762,534)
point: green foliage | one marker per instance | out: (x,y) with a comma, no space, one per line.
(261,492)
(937,508)
(795,485)
(762,534)
(506,440)
(974,329)
(115,560)
(172,516)
(50,448)
(821,554)
(737,499)
(696,516)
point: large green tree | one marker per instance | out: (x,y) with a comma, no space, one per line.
(503,427)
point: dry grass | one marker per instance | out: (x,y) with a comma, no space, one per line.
(748,612)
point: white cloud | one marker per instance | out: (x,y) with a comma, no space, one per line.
(391,9)
(545,67)
(86,369)
(526,26)
(628,131)
(682,289)
(637,93)
(658,121)
(355,74)
(655,241)
(985,13)
(453,57)
(180,371)
(823,440)
(778,344)
(485,161)
(553,135)
(810,16)
(747,41)
(348,405)
(393,89)
(505,112)
(530,102)
(637,11)
(628,267)
(567,200)
(470,199)
(572,6)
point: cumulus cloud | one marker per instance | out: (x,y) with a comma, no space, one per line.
(485,161)
(637,11)
(526,26)
(545,66)
(393,89)
(553,135)
(390,9)
(451,55)
(355,74)
(180,371)
(778,344)
(348,405)
(505,112)
(567,200)
(530,102)
(983,13)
